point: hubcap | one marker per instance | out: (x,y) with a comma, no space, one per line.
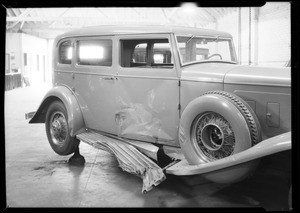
(212,136)
(58,128)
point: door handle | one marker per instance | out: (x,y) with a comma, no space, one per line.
(108,78)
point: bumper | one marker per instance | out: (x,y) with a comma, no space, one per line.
(29,115)
(267,147)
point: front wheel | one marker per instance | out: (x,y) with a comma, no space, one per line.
(57,129)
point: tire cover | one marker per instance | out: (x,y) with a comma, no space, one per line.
(218,104)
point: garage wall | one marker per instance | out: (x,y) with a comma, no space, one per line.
(12,47)
(49,75)
(30,55)
(270,34)
(274,34)
(36,50)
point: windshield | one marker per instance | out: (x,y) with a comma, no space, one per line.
(195,49)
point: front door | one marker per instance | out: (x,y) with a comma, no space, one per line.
(147,92)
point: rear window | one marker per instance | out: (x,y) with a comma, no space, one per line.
(65,52)
(94,52)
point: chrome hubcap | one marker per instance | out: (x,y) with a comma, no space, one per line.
(58,128)
(212,136)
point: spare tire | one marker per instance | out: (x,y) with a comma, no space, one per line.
(216,125)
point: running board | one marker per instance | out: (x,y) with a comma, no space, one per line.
(130,159)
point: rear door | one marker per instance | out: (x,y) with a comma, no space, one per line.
(147,91)
(94,82)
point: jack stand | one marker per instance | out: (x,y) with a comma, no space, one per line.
(77,159)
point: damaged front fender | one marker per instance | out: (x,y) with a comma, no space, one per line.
(235,164)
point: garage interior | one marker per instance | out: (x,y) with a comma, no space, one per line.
(38,177)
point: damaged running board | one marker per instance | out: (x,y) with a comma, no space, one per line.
(130,158)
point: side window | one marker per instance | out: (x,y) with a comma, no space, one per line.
(154,53)
(94,52)
(65,52)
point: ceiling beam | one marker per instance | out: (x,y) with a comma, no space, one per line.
(137,12)
(19,18)
(58,17)
(22,24)
(204,16)
(41,19)
(172,12)
(219,12)
(9,12)
(212,17)
(101,12)
(213,13)
(167,19)
(14,11)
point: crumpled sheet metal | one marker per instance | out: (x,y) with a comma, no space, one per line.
(129,158)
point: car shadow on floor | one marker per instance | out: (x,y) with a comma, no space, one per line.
(267,188)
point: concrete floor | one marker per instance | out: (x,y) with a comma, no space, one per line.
(37,177)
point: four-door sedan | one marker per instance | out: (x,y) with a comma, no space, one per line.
(151,93)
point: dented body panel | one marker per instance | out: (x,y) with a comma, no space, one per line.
(150,113)
(147,99)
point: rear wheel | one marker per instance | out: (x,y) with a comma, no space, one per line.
(57,129)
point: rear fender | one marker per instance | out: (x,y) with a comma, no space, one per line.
(64,94)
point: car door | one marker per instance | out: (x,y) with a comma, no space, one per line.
(94,82)
(147,90)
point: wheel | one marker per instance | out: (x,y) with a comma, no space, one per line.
(57,129)
(214,136)
(217,125)
(213,55)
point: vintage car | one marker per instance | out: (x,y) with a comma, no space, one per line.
(165,99)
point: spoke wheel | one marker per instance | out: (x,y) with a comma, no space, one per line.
(213,136)
(57,129)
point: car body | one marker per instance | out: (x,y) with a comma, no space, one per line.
(175,87)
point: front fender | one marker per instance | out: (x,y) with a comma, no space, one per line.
(64,94)
(269,146)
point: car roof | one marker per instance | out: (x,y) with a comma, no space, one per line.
(139,29)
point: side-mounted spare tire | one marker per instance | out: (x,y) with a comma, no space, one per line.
(216,125)
(57,129)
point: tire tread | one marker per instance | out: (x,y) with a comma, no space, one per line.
(251,121)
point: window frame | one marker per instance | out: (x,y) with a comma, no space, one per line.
(59,52)
(232,47)
(143,38)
